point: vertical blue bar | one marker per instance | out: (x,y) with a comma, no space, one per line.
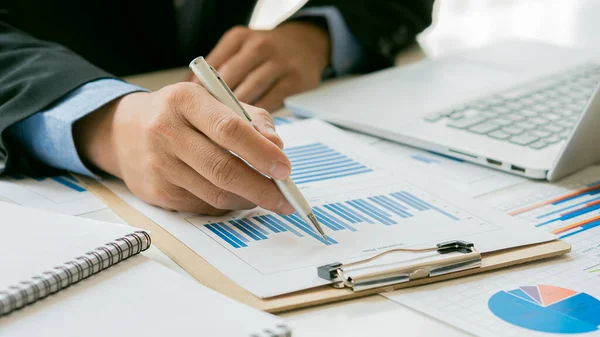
(68,184)
(241,226)
(222,236)
(282,224)
(355,214)
(332,221)
(408,201)
(265,223)
(393,202)
(255,227)
(341,213)
(368,212)
(274,222)
(302,226)
(338,222)
(231,231)
(373,209)
(415,199)
(391,208)
(309,229)
(435,208)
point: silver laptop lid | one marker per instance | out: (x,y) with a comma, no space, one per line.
(582,148)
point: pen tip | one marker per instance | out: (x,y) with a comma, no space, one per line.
(317,225)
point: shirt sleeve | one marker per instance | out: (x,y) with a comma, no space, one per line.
(47,136)
(346,51)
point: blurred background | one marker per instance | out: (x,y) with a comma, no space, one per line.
(459,24)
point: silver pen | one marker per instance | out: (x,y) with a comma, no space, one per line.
(211,80)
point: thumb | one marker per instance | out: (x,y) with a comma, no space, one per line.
(263,123)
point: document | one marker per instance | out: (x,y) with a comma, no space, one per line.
(560,296)
(364,206)
(61,194)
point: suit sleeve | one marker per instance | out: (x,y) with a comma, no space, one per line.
(34,74)
(382,27)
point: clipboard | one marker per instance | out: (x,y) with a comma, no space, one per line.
(210,276)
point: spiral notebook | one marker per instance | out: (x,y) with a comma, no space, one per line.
(59,275)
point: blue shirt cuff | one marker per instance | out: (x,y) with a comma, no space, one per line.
(48,135)
(346,51)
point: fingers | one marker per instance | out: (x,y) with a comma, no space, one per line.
(235,69)
(187,178)
(228,45)
(175,198)
(273,99)
(258,82)
(263,122)
(232,132)
(228,173)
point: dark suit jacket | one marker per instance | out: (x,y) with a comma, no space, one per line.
(50,47)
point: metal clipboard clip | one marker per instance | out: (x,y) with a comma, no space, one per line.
(452,256)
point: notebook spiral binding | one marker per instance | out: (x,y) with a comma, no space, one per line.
(71,272)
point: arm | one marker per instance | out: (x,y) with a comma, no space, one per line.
(381,27)
(34,74)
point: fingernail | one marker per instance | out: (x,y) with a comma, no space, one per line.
(271,131)
(280,170)
(285,207)
(274,136)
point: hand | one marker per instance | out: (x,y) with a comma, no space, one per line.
(171,149)
(265,67)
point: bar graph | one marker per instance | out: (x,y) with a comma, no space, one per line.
(567,214)
(60,193)
(385,209)
(318,162)
(65,180)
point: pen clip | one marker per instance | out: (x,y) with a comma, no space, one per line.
(230,93)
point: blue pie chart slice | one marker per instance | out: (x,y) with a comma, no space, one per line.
(576,313)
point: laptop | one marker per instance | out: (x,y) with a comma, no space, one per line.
(528,108)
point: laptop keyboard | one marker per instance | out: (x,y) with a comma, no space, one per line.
(534,115)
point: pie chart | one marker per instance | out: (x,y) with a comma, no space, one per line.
(547,308)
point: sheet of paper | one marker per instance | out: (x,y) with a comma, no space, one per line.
(61,194)
(559,296)
(364,207)
(471,179)
(34,241)
(139,297)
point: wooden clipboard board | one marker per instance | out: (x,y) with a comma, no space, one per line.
(208,275)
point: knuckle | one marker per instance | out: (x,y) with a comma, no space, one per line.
(262,42)
(219,198)
(162,126)
(230,129)
(223,171)
(179,93)
(237,31)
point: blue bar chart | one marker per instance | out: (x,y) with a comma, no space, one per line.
(386,210)
(65,180)
(567,214)
(318,162)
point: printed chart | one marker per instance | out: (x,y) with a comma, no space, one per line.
(379,216)
(385,210)
(61,193)
(470,178)
(317,161)
(547,308)
(562,295)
